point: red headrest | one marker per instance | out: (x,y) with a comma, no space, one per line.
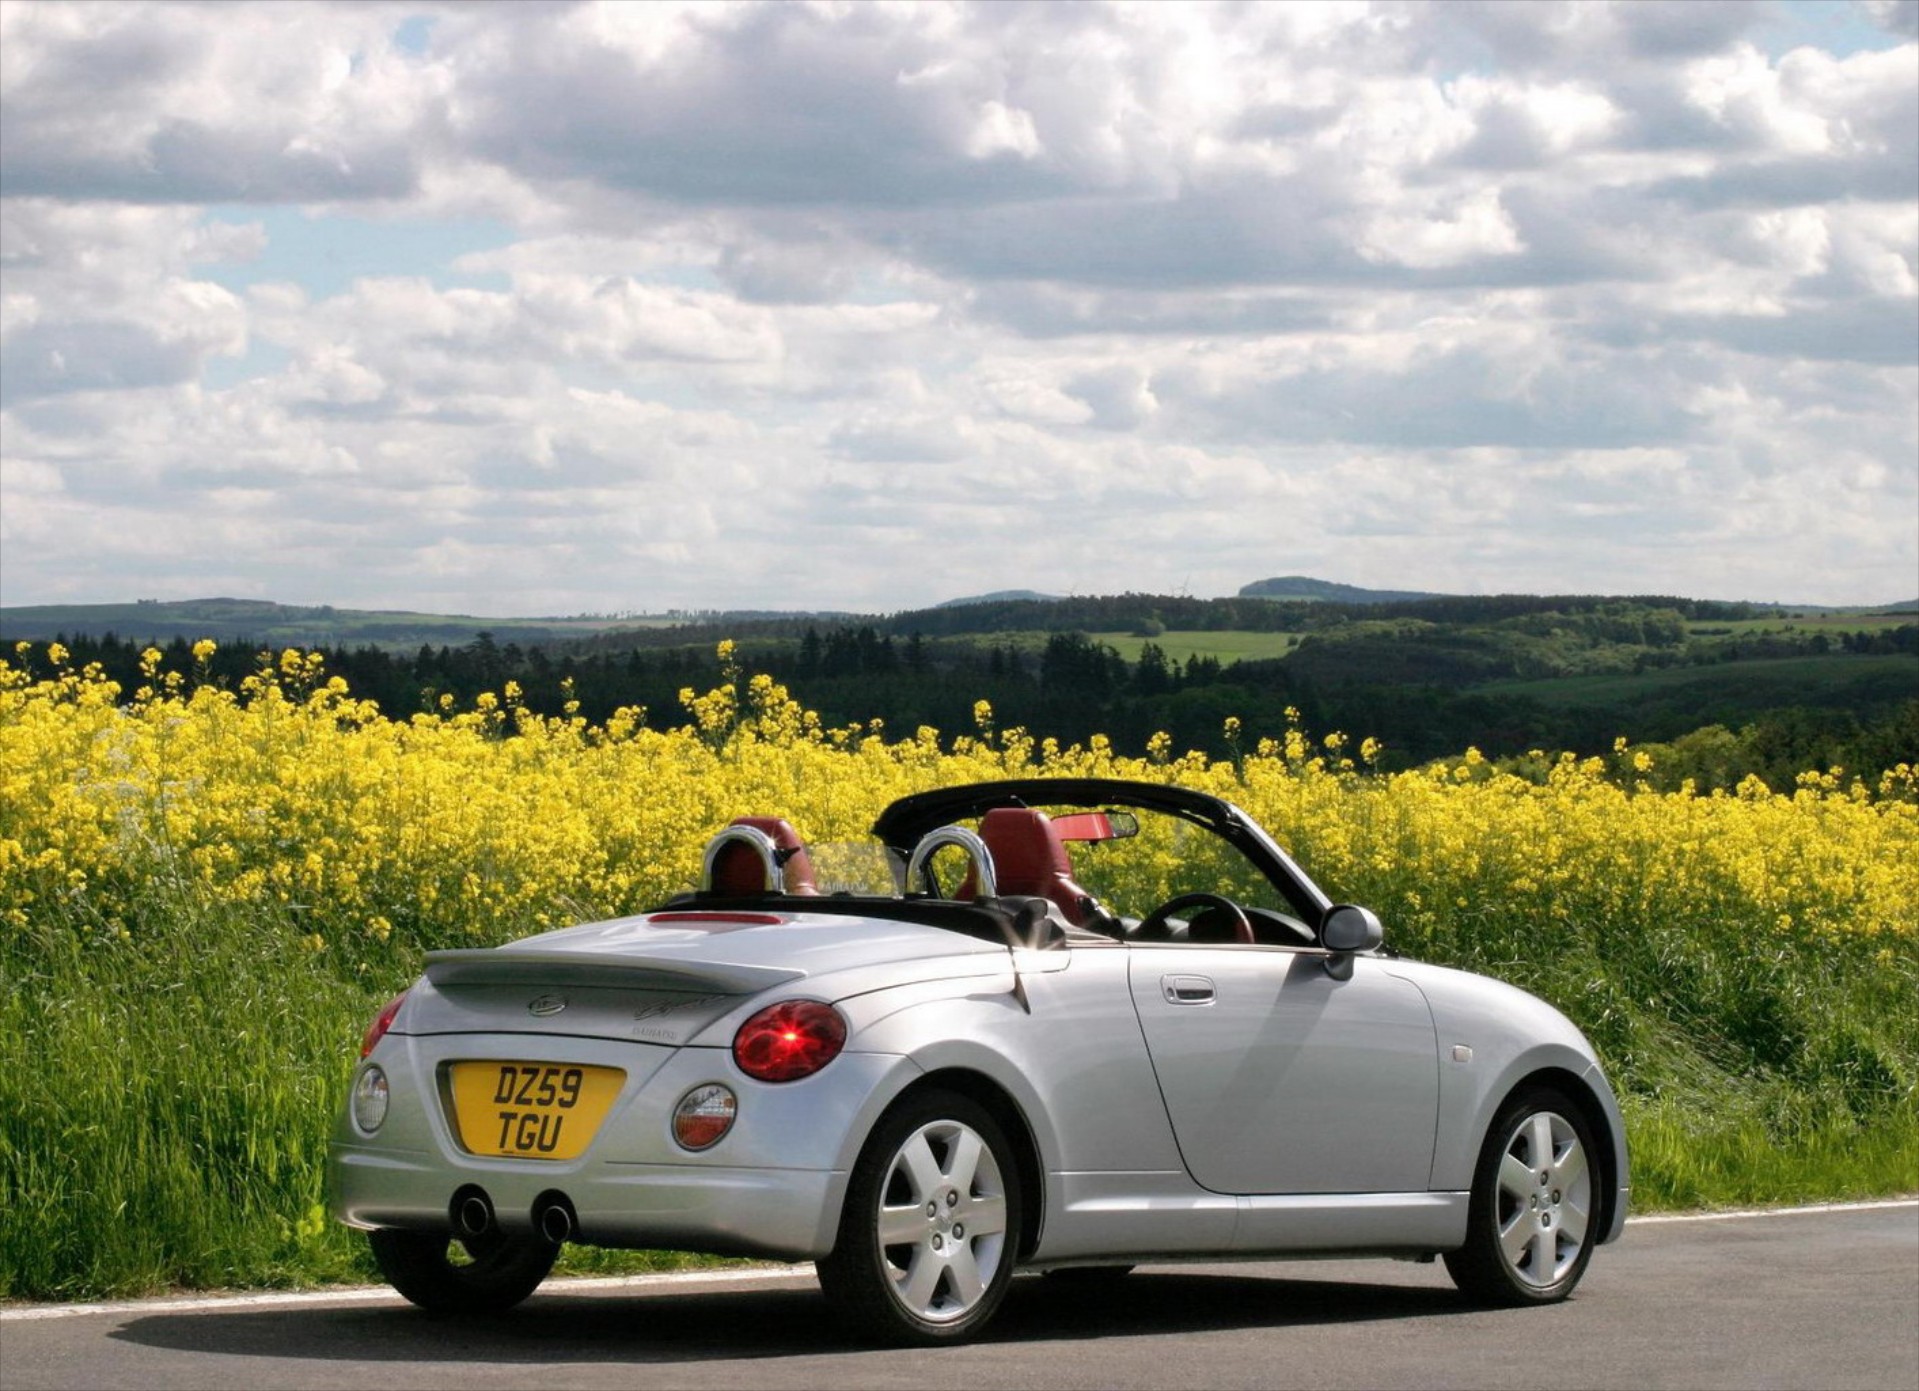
(738,871)
(1030,860)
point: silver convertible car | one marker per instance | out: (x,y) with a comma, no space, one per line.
(1058,1024)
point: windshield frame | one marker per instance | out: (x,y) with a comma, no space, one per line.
(900,827)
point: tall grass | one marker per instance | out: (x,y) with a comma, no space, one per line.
(163,1105)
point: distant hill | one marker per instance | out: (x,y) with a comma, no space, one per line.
(1326,591)
(258,620)
(267,624)
(1000,596)
(1288,604)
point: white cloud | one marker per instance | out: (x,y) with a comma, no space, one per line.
(1898,16)
(1471,228)
(1039,402)
(104,298)
(1001,129)
(263,103)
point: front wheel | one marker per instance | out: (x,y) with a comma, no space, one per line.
(1529,1230)
(930,1229)
(462,1275)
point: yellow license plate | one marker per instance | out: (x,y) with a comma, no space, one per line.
(531,1110)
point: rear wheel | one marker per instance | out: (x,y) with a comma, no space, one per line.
(462,1275)
(931,1224)
(1530,1228)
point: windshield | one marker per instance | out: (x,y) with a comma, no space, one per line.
(1128,863)
(1168,856)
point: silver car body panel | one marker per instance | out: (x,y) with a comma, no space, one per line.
(1507,1036)
(1280,1078)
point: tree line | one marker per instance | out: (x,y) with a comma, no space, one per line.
(1409,687)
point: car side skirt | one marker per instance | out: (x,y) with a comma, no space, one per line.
(1114,1215)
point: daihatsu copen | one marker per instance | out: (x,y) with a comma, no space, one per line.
(1037,1024)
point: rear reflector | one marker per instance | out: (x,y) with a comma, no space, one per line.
(704,1115)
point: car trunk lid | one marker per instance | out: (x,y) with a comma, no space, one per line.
(657,978)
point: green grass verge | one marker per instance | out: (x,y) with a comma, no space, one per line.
(158,1108)
(1684,1159)
(164,1109)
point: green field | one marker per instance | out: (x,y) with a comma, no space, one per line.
(1224,647)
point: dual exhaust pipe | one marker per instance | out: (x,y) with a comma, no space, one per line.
(473,1215)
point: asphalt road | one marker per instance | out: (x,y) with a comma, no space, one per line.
(1807,1299)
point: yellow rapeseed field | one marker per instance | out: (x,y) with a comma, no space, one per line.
(493,822)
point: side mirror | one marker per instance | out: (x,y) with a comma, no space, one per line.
(1347,929)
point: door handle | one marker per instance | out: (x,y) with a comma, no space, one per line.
(1186,990)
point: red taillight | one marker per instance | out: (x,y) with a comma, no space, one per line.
(381,1023)
(790,1040)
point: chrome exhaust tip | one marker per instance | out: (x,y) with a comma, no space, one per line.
(472,1212)
(553,1215)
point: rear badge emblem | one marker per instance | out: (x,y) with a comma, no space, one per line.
(541,1006)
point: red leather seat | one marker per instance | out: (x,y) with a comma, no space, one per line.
(1030,860)
(738,872)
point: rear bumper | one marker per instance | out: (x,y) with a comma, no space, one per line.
(780,1213)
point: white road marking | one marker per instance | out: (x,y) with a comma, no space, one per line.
(1653,1219)
(379,1294)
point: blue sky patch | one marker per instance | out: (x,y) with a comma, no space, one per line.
(324,255)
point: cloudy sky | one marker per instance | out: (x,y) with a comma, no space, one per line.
(551,308)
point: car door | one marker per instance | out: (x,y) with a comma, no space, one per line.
(1280,1079)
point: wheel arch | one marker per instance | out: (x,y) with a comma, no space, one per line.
(1601,1121)
(987,1093)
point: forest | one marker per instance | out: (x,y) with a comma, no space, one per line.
(1723,690)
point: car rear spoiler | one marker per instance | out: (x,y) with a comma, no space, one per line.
(585,969)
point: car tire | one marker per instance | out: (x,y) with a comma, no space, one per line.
(487,1277)
(930,1229)
(1533,1217)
